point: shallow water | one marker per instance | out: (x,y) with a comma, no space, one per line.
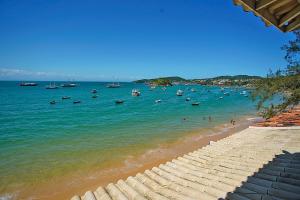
(39,141)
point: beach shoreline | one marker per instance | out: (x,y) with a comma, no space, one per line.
(66,187)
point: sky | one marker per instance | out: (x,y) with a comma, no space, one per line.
(102,40)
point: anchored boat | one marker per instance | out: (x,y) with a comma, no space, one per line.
(28,84)
(68,85)
(51,86)
(179,93)
(135,92)
(119,101)
(65,97)
(195,104)
(94,91)
(113,85)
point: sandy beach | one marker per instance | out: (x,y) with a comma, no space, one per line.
(65,187)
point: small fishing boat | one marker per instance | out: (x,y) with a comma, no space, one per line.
(135,93)
(188,99)
(243,92)
(113,85)
(76,102)
(119,101)
(226,93)
(51,86)
(53,102)
(220,97)
(28,84)
(195,104)
(94,96)
(152,87)
(193,90)
(68,84)
(94,91)
(158,101)
(65,97)
(163,88)
(179,93)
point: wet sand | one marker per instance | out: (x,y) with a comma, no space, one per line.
(79,182)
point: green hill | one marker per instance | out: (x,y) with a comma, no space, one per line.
(170,79)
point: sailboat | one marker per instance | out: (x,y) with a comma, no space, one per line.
(51,86)
(113,85)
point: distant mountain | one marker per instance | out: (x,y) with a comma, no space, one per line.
(170,79)
(235,77)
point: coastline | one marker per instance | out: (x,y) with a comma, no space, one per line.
(65,187)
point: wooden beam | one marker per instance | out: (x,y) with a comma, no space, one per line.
(289,16)
(263,13)
(293,25)
(285,9)
(278,4)
(263,3)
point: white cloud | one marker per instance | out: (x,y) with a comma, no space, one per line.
(22,74)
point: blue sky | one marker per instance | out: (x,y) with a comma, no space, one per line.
(132,39)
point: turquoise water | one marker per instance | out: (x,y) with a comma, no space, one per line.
(39,141)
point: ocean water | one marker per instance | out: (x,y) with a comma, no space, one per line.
(40,141)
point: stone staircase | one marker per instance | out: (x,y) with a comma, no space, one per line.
(256,163)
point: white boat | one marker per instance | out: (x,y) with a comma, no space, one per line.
(51,86)
(226,93)
(188,99)
(94,91)
(69,84)
(135,92)
(179,93)
(152,87)
(157,101)
(220,97)
(243,92)
(163,88)
(193,90)
(113,85)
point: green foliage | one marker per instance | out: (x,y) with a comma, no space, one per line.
(285,83)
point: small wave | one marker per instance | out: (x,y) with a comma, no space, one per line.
(8,196)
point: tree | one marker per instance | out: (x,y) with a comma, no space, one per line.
(284,83)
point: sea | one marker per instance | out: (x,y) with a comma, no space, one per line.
(40,141)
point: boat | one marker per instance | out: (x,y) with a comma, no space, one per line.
(193,90)
(53,102)
(243,92)
(226,93)
(51,86)
(163,88)
(179,93)
(152,87)
(113,85)
(220,97)
(68,85)
(135,92)
(188,99)
(119,101)
(94,91)
(65,97)
(28,84)
(94,96)
(158,101)
(76,102)
(195,104)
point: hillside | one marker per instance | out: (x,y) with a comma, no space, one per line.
(170,78)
